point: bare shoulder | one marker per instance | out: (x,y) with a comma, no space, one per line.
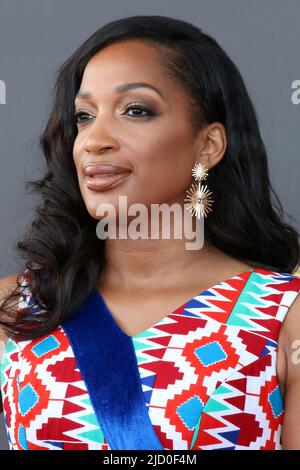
(290,329)
(7,285)
(290,341)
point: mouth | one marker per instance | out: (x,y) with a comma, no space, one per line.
(105,181)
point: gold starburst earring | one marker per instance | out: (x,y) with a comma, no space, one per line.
(199,197)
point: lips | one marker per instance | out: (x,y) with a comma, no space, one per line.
(102,176)
(104,169)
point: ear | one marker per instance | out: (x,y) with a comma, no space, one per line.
(211,144)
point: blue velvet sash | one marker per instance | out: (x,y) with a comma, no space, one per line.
(106,358)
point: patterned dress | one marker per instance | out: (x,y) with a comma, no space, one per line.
(207,372)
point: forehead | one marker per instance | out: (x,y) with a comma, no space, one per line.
(124,57)
(127,61)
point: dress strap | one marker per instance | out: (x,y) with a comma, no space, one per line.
(107,362)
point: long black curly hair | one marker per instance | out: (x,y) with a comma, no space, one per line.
(62,255)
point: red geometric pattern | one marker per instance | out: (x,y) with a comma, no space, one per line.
(207,370)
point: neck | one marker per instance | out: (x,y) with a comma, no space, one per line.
(154,263)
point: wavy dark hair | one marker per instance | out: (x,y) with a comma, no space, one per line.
(61,254)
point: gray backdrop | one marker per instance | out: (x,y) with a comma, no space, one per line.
(36,36)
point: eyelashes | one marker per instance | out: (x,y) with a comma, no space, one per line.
(149,112)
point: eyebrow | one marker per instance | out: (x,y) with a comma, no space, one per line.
(122,88)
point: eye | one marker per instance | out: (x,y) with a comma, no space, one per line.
(139,107)
(78,114)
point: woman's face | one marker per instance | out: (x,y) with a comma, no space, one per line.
(154,143)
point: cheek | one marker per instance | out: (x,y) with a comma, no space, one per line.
(167,159)
(76,153)
(77,163)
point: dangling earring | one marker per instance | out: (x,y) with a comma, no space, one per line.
(199,197)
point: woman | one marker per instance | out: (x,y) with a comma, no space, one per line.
(124,343)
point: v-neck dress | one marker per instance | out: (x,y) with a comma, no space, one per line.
(207,372)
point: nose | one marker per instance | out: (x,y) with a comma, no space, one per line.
(99,138)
